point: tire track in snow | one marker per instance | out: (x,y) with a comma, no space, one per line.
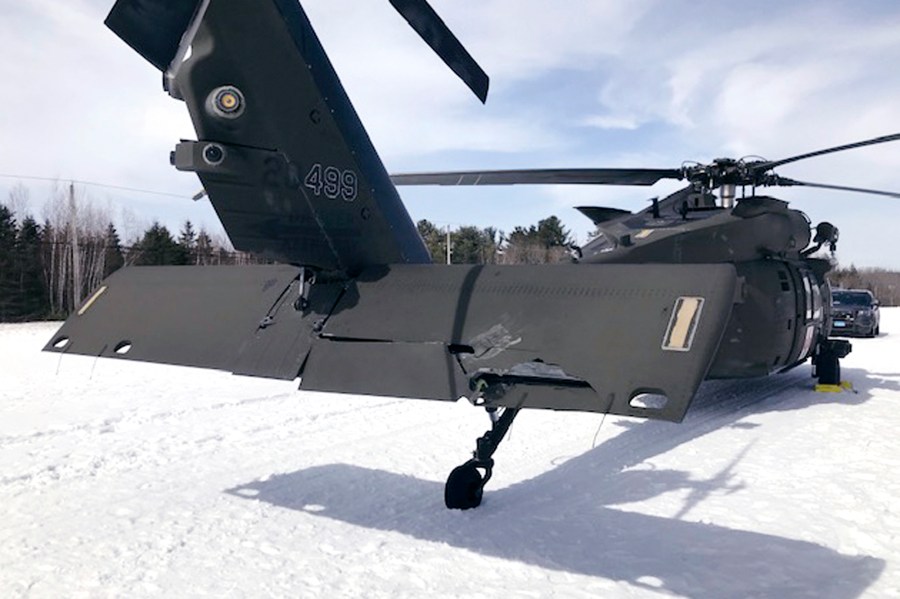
(316,429)
(137,416)
(119,453)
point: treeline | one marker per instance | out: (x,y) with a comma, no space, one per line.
(48,268)
(884,284)
(547,242)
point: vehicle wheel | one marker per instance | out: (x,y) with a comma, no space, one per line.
(828,368)
(878,330)
(464,488)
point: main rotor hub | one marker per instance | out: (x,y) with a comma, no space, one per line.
(726,174)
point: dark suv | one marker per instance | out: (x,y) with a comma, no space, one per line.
(854,312)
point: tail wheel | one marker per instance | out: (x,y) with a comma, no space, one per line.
(464,487)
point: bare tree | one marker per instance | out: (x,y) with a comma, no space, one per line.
(75,246)
(17,202)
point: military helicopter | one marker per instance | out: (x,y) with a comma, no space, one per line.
(691,288)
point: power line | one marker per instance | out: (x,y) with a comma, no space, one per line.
(94,184)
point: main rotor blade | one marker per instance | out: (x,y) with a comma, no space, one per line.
(785,182)
(560,176)
(430,27)
(765,166)
(153,28)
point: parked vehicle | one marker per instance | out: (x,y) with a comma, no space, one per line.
(854,312)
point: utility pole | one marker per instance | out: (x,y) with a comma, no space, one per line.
(449,249)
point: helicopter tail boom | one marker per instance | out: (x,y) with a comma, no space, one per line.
(284,158)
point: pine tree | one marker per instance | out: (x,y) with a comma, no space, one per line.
(203,248)
(34,300)
(113,247)
(187,239)
(435,240)
(469,245)
(158,248)
(8,266)
(552,233)
(491,239)
(545,243)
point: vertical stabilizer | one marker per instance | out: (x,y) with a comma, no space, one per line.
(281,152)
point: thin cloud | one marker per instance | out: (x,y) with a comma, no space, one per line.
(581,83)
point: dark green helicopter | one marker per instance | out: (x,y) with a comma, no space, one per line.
(691,288)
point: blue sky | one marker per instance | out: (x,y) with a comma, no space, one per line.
(583,83)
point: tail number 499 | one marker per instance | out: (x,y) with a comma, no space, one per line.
(332,182)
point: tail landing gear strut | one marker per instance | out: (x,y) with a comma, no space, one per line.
(826,361)
(465,485)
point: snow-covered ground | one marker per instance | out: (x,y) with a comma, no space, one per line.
(127,480)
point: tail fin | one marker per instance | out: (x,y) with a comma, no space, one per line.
(282,154)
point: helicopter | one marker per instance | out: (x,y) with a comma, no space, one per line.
(693,287)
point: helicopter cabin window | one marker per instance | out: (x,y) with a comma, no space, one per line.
(813,298)
(807,294)
(817,301)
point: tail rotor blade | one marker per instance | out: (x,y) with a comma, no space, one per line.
(430,27)
(153,28)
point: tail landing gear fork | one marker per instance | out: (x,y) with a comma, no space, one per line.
(465,485)
(826,362)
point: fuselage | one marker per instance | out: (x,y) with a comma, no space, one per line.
(778,314)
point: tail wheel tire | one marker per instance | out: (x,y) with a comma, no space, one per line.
(464,488)
(828,368)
